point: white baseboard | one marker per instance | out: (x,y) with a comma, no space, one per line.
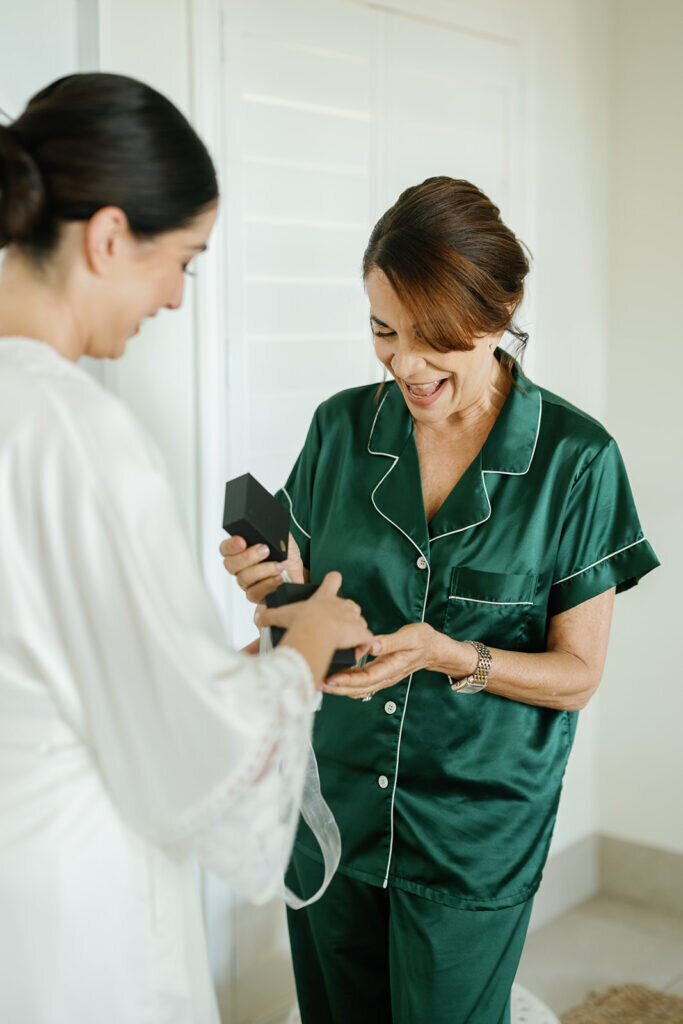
(641,874)
(569,878)
(611,867)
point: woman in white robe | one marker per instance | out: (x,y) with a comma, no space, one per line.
(131,738)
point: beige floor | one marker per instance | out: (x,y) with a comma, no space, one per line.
(603,942)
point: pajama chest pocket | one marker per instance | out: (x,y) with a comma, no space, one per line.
(492,607)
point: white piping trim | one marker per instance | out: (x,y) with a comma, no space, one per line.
(372,499)
(470,525)
(538,432)
(410,680)
(372,431)
(499,472)
(291,512)
(390,455)
(456,597)
(398,748)
(598,562)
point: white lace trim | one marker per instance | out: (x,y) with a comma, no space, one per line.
(244,829)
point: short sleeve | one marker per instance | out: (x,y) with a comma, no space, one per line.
(297,494)
(602,543)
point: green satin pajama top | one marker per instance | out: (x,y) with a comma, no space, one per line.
(454,796)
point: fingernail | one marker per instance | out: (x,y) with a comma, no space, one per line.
(263,549)
(331,682)
(257,618)
(376,647)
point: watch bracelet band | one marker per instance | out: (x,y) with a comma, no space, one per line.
(478,680)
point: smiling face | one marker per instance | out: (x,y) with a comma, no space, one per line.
(435,385)
(138,278)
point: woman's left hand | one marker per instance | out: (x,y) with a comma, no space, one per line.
(399,654)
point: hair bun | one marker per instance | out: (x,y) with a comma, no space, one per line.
(22,191)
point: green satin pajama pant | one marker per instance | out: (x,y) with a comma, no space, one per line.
(367,955)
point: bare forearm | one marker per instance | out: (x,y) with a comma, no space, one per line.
(553,679)
(564,676)
(314,643)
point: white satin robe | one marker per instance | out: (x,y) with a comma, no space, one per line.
(131,738)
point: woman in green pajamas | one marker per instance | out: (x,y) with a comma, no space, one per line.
(484,526)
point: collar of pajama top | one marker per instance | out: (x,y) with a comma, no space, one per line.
(454,796)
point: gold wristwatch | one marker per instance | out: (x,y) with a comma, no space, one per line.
(480,677)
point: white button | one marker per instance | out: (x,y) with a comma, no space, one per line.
(422,562)
(383,782)
(390,707)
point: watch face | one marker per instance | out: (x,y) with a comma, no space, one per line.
(465,686)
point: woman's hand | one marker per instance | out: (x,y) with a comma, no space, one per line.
(399,654)
(254,647)
(338,620)
(317,627)
(255,576)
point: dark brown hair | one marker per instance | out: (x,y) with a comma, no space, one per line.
(93,140)
(452,262)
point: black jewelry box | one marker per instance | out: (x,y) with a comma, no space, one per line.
(252,512)
(289,593)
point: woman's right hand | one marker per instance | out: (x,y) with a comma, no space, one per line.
(256,577)
(320,625)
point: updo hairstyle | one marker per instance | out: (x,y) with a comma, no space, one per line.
(454,265)
(94,140)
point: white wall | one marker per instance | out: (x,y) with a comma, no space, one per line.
(38,42)
(149,39)
(641,713)
(570,261)
(570,272)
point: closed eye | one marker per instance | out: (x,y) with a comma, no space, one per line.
(375,323)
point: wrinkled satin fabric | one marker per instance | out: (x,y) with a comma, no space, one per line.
(132,740)
(454,796)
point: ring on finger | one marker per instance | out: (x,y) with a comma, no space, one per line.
(368,696)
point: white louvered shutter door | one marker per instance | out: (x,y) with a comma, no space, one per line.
(332,108)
